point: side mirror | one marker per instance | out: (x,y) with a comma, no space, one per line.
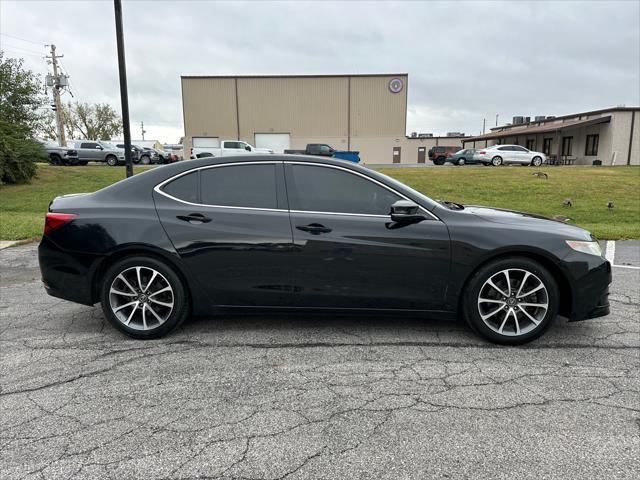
(405,211)
(247,148)
(98,147)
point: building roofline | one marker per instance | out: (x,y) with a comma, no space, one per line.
(342,75)
(563,117)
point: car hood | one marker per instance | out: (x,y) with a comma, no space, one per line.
(533,221)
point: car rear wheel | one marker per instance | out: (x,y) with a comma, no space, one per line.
(145,160)
(461,161)
(536,162)
(511,301)
(496,161)
(439,161)
(143,297)
(112,161)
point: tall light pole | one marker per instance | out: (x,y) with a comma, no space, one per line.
(124,96)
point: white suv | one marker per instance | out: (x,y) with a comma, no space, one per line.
(504,154)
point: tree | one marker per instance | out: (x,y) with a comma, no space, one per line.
(20,102)
(83,121)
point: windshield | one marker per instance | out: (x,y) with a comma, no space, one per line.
(108,145)
(402,186)
(460,151)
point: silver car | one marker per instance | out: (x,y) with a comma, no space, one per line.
(505,154)
(97,151)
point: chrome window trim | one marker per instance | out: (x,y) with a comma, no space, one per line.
(373,180)
(158,189)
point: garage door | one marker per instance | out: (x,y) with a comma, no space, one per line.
(278,142)
(205,142)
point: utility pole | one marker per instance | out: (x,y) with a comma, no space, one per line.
(497,115)
(142,130)
(484,125)
(124,96)
(57,85)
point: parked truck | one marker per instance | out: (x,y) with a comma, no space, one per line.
(227,148)
(324,150)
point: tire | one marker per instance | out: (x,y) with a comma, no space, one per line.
(138,320)
(112,161)
(439,161)
(496,161)
(536,162)
(461,162)
(55,160)
(145,160)
(510,322)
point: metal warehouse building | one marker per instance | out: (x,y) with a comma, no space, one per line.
(367,113)
(610,135)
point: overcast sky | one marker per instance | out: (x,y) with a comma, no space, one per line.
(466,60)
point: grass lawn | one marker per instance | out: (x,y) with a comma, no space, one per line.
(22,207)
(589,188)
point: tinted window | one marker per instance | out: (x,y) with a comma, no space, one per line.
(88,145)
(232,145)
(185,187)
(505,148)
(240,186)
(322,189)
(519,149)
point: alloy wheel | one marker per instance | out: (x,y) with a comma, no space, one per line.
(513,302)
(141,298)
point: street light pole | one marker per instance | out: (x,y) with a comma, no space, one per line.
(124,97)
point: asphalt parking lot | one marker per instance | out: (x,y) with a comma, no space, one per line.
(313,396)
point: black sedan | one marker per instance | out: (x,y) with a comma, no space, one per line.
(295,232)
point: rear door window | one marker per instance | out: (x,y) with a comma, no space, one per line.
(252,186)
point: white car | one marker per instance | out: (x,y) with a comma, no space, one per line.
(228,147)
(505,154)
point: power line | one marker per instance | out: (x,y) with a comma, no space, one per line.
(15,47)
(18,53)
(23,39)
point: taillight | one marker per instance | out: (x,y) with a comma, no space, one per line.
(482,152)
(53,221)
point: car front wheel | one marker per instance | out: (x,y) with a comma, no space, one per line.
(145,160)
(112,161)
(511,301)
(536,162)
(461,161)
(143,297)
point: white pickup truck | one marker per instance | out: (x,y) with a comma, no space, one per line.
(227,148)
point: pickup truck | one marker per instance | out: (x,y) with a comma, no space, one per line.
(227,148)
(324,150)
(97,151)
(59,155)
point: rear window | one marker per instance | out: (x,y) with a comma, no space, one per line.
(184,188)
(252,186)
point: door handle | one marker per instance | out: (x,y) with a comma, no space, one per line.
(314,228)
(194,218)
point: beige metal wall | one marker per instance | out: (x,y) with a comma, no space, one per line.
(347,112)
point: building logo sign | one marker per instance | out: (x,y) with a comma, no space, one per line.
(395,85)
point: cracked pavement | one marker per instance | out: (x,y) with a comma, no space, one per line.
(312,396)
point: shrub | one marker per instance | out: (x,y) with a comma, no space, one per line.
(18,155)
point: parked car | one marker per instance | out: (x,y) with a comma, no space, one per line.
(98,151)
(505,154)
(216,233)
(438,155)
(462,157)
(60,155)
(149,155)
(230,147)
(138,154)
(324,150)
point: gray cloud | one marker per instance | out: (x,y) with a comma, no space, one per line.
(466,60)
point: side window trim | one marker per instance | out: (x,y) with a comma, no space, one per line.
(372,180)
(158,187)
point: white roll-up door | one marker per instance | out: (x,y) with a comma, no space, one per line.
(205,142)
(278,142)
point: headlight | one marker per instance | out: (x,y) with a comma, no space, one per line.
(591,248)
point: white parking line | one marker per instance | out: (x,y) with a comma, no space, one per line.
(610,255)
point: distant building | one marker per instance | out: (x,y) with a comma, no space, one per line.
(611,135)
(367,113)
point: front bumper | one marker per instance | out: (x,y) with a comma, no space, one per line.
(592,276)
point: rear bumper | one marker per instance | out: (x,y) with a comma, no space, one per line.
(65,275)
